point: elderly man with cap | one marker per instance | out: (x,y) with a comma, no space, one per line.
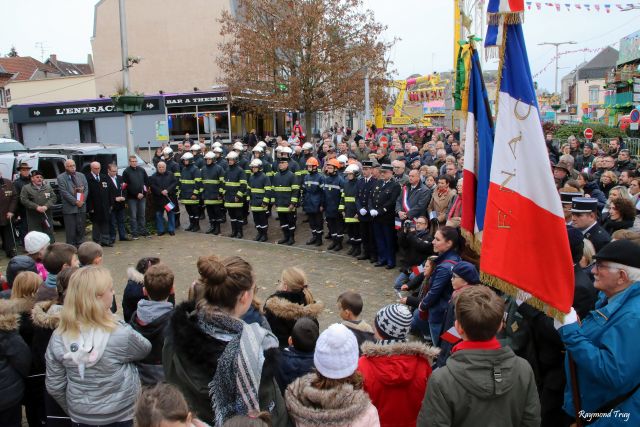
(38,197)
(604,345)
(8,203)
(585,218)
(561,171)
(24,178)
(381,207)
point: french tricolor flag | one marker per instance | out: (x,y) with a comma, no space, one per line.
(477,159)
(509,5)
(524,244)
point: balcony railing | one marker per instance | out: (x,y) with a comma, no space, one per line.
(619,100)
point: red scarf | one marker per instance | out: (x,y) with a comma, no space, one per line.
(492,344)
(456,209)
(441,193)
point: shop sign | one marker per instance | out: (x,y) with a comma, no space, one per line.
(195,99)
(98,107)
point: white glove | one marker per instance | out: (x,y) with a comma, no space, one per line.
(521,297)
(363,211)
(570,318)
(373,212)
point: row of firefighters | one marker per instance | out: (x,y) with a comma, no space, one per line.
(238,183)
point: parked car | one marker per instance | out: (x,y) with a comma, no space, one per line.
(8,145)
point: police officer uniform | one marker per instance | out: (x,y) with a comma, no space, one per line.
(594,233)
(382,208)
(365,187)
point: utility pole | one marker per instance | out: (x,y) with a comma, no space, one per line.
(556,44)
(125,74)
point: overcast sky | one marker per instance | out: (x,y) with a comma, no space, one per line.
(425,28)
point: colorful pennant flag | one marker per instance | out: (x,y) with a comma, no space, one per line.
(524,215)
(169,207)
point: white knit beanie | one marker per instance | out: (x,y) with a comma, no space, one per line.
(34,241)
(336,354)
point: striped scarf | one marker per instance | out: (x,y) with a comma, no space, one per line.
(234,387)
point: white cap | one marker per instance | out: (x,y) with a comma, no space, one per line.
(258,148)
(209,155)
(217,150)
(238,146)
(167,151)
(232,155)
(34,241)
(195,147)
(336,354)
(352,169)
(307,146)
(187,156)
(255,163)
(216,144)
(342,158)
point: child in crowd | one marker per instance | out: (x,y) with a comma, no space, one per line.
(91,347)
(464,276)
(292,300)
(35,243)
(151,319)
(261,419)
(482,383)
(350,306)
(333,395)
(90,253)
(57,257)
(16,265)
(163,404)
(395,371)
(297,359)
(134,291)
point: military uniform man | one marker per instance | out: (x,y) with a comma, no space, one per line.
(585,218)
(382,209)
(190,188)
(365,188)
(212,175)
(285,197)
(38,197)
(260,193)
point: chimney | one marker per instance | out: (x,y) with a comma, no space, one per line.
(53,58)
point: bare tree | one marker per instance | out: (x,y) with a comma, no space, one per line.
(13,53)
(304,55)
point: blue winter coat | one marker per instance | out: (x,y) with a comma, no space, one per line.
(312,192)
(440,289)
(333,187)
(606,352)
(293,364)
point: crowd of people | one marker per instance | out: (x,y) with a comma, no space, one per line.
(448,351)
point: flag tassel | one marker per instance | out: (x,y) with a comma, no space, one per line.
(509,18)
(475,244)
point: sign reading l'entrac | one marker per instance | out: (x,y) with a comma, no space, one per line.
(90,107)
(196,99)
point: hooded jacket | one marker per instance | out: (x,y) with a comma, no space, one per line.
(362,330)
(114,400)
(283,308)
(293,364)
(394,374)
(482,388)
(15,360)
(336,407)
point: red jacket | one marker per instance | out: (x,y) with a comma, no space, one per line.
(395,377)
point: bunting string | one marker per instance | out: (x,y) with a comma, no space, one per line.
(553,59)
(587,7)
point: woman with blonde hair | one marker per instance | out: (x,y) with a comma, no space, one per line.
(608,180)
(89,348)
(293,299)
(223,366)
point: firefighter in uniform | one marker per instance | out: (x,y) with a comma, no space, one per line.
(333,187)
(198,160)
(258,153)
(382,209)
(313,200)
(235,189)
(212,174)
(260,193)
(190,188)
(350,210)
(285,197)
(243,162)
(365,188)
(173,168)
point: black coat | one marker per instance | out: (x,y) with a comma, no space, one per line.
(364,194)
(116,190)
(293,365)
(99,200)
(15,361)
(585,295)
(283,308)
(159,182)
(137,182)
(383,199)
(598,236)
(417,247)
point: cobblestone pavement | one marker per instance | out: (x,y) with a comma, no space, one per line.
(329,273)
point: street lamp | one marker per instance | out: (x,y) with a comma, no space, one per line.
(556,44)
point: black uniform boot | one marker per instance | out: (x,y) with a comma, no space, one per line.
(312,240)
(196,225)
(291,240)
(352,249)
(356,250)
(234,229)
(363,256)
(333,243)
(190,227)
(285,236)
(319,239)
(264,236)
(239,234)
(338,246)
(212,227)
(216,228)
(258,236)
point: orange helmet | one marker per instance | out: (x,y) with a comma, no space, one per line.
(333,162)
(312,161)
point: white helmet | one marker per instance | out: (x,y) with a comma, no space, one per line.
(255,163)
(232,155)
(307,146)
(286,150)
(217,150)
(216,144)
(342,158)
(187,156)
(261,144)
(167,151)
(352,169)
(238,146)
(195,147)
(209,155)
(258,149)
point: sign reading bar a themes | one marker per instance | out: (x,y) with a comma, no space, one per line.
(83,108)
(198,98)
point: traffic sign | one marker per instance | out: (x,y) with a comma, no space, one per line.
(588,133)
(634,116)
